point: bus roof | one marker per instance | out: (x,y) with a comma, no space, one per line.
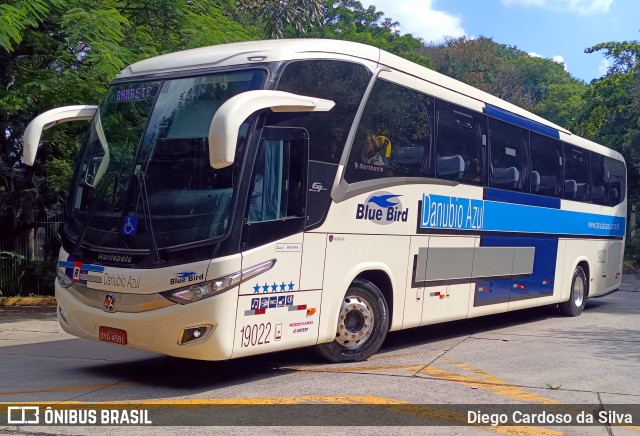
(243,53)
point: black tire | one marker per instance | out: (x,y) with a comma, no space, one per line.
(355,339)
(579,291)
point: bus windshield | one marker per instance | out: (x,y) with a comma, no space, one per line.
(145,165)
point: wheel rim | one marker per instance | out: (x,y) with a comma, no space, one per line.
(356,322)
(578,291)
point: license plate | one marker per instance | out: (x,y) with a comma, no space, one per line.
(115,336)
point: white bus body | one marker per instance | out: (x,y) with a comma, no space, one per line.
(339,192)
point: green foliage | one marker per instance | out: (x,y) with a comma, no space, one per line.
(278,17)
(536,84)
(610,112)
(16,17)
(59,173)
(60,52)
(348,20)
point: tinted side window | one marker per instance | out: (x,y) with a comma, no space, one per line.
(509,168)
(615,176)
(546,165)
(599,191)
(461,137)
(394,138)
(342,82)
(577,183)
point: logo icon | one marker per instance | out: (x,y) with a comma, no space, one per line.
(23,415)
(317,187)
(384,200)
(130,225)
(382,208)
(255,303)
(109,303)
(183,275)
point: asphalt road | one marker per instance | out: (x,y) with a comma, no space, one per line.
(531,357)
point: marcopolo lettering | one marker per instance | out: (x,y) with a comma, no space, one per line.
(116,258)
(444,212)
(382,208)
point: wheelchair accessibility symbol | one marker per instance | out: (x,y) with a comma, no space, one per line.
(130,225)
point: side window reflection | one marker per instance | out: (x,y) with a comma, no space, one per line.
(395,135)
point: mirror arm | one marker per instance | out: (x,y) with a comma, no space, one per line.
(225,125)
(46,120)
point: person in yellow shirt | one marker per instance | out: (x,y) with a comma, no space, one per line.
(376,150)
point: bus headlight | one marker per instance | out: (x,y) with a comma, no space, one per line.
(200,291)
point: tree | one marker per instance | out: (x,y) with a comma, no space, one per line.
(535,84)
(611,108)
(279,16)
(60,52)
(348,20)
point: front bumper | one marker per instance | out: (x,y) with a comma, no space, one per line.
(159,330)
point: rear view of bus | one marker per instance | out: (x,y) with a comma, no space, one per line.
(233,200)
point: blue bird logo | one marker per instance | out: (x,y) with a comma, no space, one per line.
(383,200)
(184,275)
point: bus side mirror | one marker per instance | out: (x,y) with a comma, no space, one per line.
(31,138)
(225,125)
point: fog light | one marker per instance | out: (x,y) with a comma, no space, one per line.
(194,333)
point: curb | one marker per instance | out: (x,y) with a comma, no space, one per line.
(27,301)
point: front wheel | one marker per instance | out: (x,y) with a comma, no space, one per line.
(579,289)
(363,323)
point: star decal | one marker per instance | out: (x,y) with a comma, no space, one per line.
(256,289)
(290,286)
(282,287)
(265,288)
(274,287)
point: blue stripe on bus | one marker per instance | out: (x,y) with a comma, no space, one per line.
(510,117)
(530,219)
(539,284)
(458,213)
(521,198)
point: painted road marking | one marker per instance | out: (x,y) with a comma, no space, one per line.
(480,380)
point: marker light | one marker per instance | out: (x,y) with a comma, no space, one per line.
(64,318)
(63,280)
(200,291)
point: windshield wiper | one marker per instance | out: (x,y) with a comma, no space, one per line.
(92,213)
(146,213)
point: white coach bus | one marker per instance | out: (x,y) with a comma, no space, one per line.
(260,196)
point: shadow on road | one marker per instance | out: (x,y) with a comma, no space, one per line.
(171,377)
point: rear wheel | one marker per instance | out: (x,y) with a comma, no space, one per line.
(579,290)
(363,323)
